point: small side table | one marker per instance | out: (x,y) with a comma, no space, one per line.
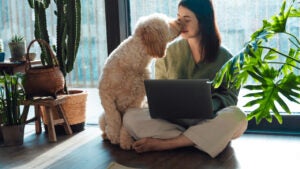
(14,67)
(49,104)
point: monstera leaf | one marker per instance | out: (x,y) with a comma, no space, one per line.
(272,70)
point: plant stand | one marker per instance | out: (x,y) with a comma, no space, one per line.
(49,104)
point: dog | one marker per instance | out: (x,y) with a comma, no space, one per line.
(121,85)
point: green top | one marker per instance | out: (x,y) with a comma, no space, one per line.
(179,64)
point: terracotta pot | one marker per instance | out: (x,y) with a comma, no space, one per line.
(13,135)
(17,49)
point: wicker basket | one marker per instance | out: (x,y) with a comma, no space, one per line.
(74,108)
(42,80)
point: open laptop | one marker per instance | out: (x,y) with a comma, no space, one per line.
(179,99)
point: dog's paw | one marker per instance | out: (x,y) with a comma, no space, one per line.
(113,134)
(104,136)
(126,144)
(113,138)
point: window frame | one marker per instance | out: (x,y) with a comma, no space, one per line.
(117,14)
(118,29)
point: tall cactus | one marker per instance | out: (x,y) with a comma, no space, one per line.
(68,14)
(40,27)
(68,33)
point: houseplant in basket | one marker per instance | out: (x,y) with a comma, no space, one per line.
(12,121)
(17,48)
(68,14)
(276,71)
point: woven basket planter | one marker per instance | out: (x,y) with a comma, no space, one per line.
(74,108)
(42,80)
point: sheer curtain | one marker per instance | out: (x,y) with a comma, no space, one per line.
(236,19)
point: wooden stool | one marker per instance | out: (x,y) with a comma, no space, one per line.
(49,104)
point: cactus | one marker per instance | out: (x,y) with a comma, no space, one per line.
(40,27)
(67,32)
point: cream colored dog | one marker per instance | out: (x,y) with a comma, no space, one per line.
(121,85)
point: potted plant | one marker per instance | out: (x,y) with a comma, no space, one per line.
(2,53)
(273,69)
(17,48)
(68,15)
(12,121)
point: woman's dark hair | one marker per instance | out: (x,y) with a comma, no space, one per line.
(209,33)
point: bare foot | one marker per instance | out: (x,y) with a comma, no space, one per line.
(149,144)
(154,144)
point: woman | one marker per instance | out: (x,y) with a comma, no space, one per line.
(196,55)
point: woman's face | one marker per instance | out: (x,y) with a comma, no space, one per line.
(189,21)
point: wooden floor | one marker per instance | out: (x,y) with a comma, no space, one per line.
(86,150)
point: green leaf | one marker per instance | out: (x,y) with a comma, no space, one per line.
(271,55)
(257,76)
(295,12)
(283,105)
(259,94)
(254,87)
(277,115)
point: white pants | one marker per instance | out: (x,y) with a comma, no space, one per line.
(210,136)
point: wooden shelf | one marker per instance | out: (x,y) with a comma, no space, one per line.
(14,67)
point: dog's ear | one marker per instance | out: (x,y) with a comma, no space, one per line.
(154,40)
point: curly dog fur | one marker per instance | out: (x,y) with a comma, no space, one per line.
(121,85)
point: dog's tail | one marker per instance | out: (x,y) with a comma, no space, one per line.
(102,125)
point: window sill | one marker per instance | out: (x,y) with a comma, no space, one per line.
(289,126)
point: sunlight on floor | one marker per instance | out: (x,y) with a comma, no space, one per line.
(46,159)
(283,150)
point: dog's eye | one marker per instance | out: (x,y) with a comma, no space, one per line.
(187,21)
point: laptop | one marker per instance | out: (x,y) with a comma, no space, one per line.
(179,98)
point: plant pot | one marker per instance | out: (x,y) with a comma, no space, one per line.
(37,78)
(1,136)
(13,135)
(17,50)
(75,111)
(2,56)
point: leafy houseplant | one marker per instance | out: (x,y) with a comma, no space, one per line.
(68,14)
(274,70)
(17,47)
(12,120)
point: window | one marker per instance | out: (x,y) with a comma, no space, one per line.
(237,20)
(17,17)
